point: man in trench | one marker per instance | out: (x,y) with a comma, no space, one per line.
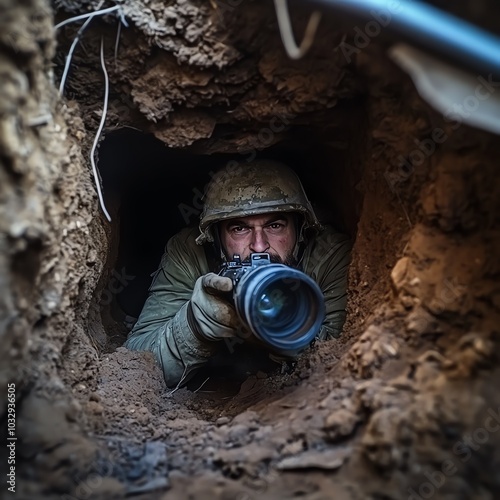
(187,320)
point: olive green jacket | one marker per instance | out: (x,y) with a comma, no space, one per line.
(162,326)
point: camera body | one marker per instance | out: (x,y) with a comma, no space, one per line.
(236,269)
(281,305)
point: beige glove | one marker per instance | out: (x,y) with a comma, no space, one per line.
(210,316)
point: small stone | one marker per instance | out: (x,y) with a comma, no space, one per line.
(238,432)
(293,448)
(17,229)
(94,397)
(400,272)
(312,459)
(95,408)
(222,421)
(73,411)
(341,423)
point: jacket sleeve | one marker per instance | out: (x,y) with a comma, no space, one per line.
(162,327)
(331,257)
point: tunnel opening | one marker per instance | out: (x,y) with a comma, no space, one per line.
(153,191)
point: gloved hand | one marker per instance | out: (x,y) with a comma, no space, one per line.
(210,316)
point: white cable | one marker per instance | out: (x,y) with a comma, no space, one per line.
(70,54)
(122,18)
(177,387)
(285,26)
(99,130)
(117,41)
(206,380)
(72,48)
(84,16)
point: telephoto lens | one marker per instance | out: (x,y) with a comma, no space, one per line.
(282,306)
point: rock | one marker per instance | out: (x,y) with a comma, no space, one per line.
(95,408)
(324,459)
(251,454)
(399,273)
(341,423)
(371,351)
(237,433)
(383,439)
(293,448)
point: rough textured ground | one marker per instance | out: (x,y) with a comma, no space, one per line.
(405,405)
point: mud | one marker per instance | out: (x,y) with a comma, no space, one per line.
(404,405)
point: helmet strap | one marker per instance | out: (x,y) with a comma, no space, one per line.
(219,251)
(213,252)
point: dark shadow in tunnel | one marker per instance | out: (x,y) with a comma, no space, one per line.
(154,191)
(152,188)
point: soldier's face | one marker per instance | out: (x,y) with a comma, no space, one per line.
(271,233)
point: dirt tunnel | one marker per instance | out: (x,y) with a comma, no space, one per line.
(403,405)
(152,186)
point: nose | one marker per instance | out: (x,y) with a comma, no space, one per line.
(259,241)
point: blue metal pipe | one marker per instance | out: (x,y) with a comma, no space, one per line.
(432,29)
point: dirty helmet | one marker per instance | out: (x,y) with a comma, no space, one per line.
(259,187)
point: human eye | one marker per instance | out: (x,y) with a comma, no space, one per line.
(276,226)
(238,229)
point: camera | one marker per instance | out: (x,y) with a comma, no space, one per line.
(281,305)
